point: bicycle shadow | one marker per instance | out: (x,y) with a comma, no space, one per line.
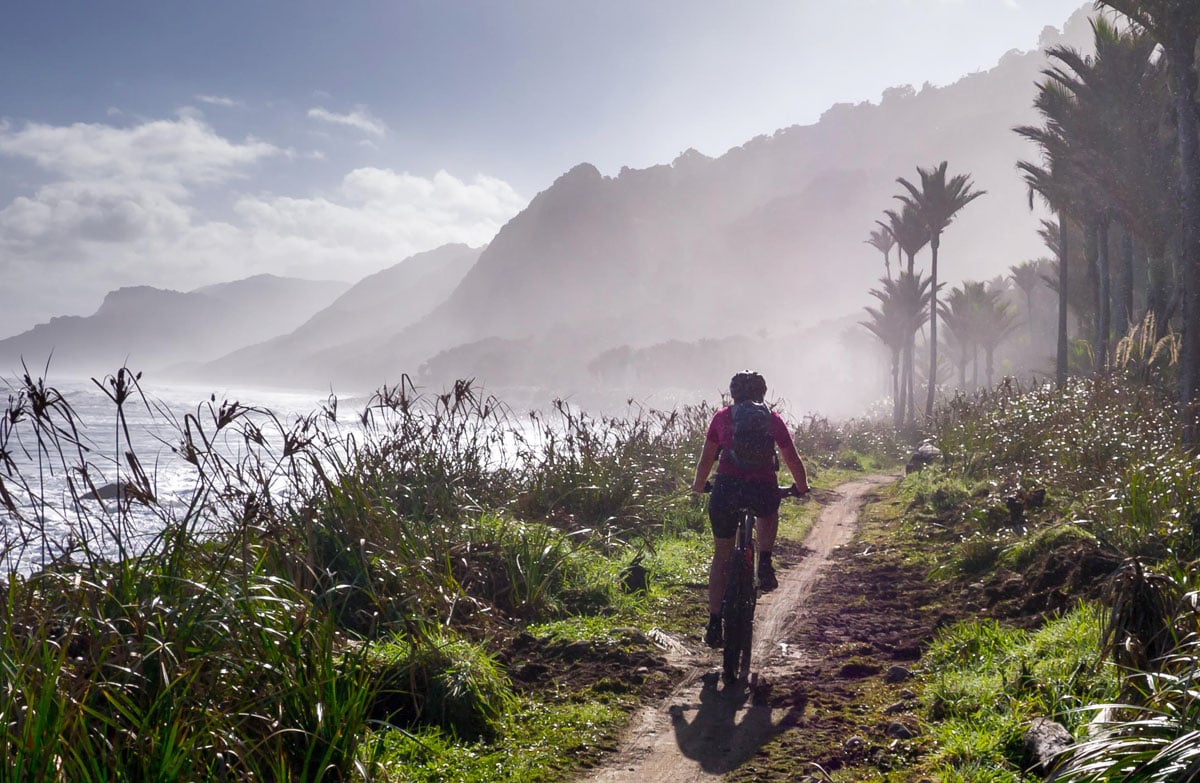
(729,726)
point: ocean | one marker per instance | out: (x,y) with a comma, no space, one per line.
(42,456)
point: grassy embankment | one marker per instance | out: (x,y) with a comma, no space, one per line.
(1074,600)
(329,603)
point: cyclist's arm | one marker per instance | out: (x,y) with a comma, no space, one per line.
(704,466)
(796,467)
(791,458)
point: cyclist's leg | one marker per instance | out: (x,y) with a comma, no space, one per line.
(723,515)
(718,573)
(766,525)
(765,530)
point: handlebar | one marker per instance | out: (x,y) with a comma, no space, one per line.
(784,492)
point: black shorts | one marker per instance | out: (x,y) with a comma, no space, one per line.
(730,499)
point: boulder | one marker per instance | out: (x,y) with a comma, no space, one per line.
(925,454)
(1045,742)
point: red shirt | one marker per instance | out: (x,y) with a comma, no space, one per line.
(720,431)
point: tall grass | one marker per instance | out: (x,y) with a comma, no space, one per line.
(236,633)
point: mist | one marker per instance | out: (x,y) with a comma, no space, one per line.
(652,284)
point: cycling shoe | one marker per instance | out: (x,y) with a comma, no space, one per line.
(712,634)
(766,577)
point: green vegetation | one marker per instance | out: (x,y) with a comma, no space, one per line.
(987,683)
(402,599)
(339,600)
(1042,476)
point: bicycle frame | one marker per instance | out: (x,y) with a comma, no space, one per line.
(741,597)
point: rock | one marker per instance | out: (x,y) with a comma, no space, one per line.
(898,707)
(925,454)
(896,674)
(898,730)
(856,670)
(634,577)
(110,491)
(1045,741)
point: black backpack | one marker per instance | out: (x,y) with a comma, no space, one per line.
(753,443)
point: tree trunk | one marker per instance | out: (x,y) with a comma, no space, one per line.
(1091,253)
(934,241)
(1181,53)
(1158,273)
(1060,370)
(1127,278)
(910,391)
(906,380)
(897,402)
(1104,277)
(1029,318)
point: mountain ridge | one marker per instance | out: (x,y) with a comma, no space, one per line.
(765,239)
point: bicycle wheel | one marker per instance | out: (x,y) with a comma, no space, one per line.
(739,618)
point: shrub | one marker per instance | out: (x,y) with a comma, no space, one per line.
(442,680)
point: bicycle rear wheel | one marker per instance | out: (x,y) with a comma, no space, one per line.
(739,619)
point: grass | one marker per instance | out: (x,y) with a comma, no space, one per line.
(326,574)
(332,598)
(986,683)
(543,743)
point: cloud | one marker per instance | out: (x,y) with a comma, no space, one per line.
(376,218)
(122,206)
(218,100)
(360,119)
(180,152)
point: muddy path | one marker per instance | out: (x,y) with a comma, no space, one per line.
(706,729)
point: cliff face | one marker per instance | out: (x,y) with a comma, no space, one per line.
(767,238)
(148,328)
(375,308)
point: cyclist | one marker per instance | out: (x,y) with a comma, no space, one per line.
(737,488)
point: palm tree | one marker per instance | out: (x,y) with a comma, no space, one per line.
(911,236)
(1175,24)
(1109,107)
(883,241)
(936,202)
(899,316)
(1027,276)
(995,322)
(886,324)
(959,338)
(909,231)
(1052,184)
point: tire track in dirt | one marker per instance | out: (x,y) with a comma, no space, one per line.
(703,729)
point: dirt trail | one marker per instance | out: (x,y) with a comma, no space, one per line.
(705,729)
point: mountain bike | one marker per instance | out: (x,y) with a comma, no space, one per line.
(741,596)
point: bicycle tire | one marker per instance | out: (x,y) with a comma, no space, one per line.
(739,619)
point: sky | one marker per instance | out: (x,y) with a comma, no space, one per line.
(181,144)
